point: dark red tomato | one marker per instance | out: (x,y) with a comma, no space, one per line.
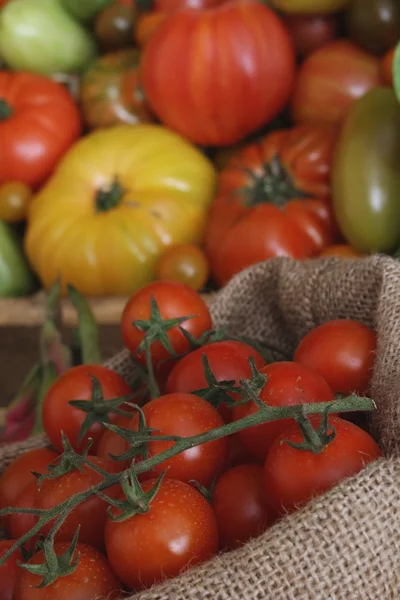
(343,352)
(288,384)
(228,360)
(238,453)
(77,384)
(90,515)
(174,300)
(112,444)
(310,32)
(217,75)
(185,263)
(18,475)
(19,523)
(8,571)
(113,27)
(387,67)
(330,80)
(178,531)
(186,415)
(240,505)
(293,477)
(93,578)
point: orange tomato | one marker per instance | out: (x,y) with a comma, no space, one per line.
(341,251)
(146,26)
(185,263)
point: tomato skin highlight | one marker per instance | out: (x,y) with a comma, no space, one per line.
(343,352)
(93,578)
(293,477)
(8,571)
(240,504)
(76,384)
(179,530)
(288,383)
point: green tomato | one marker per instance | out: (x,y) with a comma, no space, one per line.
(40,36)
(366,173)
(16,277)
(374,24)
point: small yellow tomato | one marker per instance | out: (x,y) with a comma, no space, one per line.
(185,263)
(14,201)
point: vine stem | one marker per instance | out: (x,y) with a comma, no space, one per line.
(265,414)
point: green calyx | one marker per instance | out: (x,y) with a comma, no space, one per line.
(5,110)
(315,440)
(109,197)
(272,183)
(216,392)
(136,502)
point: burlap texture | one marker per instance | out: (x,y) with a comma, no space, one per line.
(346,544)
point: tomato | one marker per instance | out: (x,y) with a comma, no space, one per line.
(179,530)
(172,5)
(145,181)
(39,121)
(147,24)
(365,178)
(341,251)
(174,300)
(114,25)
(8,571)
(112,444)
(186,264)
(272,201)
(111,91)
(17,476)
(293,477)
(16,277)
(376,29)
(19,524)
(240,504)
(228,360)
(288,383)
(310,32)
(309,6)
(343,352)
(14,200)
(77,384)
(330,80)
(387,67)
(93,578)
(218,74)
(185,415)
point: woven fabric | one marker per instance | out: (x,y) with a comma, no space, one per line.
(344,545)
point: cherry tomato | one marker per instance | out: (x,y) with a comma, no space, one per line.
(93,578)
(179,530)
(112,444)
(343,352)
(240,505)
(293,477)
(310,32)
(341,251)
(18,475)
(228,360)
(185,415)
(114,26)
(173,300)
(77,384)
(21,523)
(14,200)
(288,384)
(185,263)
(8,571)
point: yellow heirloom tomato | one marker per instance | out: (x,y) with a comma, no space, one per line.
(118,198)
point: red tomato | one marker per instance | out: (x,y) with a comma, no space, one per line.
(172,5)
(174,300)
(112,444)
(330,80)
(39,121)
(19,523)
(273,201)
(240,505)
(217,75)
(310,32)
(228,360)
(185,263)
(93,578)
(90,515)
(8,571)
(178,531)
(387,67)
(293,477)
(185,415)
(343,352)
(18,475)
(76,384)
(288,384)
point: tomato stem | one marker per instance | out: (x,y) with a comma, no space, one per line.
(109,198)
(5,110)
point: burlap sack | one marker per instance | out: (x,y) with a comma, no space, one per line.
(346,544)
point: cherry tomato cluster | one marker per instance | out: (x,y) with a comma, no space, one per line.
(165,473)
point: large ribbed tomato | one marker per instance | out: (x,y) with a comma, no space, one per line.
(38,122)
(216,75)
(273,200)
